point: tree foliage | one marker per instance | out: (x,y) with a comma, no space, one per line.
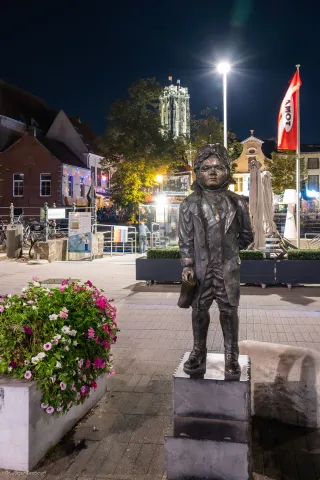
(282,167)
(208,129)
(133,143)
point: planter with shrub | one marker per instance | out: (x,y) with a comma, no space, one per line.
(163,265)
(54,362)
(302,266)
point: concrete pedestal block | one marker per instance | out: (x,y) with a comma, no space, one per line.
(204,459)
(27,431)
(211,424)
(14,241)
(213,396)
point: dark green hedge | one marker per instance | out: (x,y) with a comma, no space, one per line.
(174,253)
(251,255)
(304,254)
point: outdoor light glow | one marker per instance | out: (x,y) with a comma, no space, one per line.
(224,67)
(312,193)
(104,178)
(161,200)
(159,178)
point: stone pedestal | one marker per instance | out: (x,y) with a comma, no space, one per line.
(211,424)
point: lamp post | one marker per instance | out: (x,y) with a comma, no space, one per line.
(224,68)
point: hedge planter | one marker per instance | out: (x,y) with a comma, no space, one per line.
(292,272)
(27,431)
(170,270)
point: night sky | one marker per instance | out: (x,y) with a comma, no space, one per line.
(83,58)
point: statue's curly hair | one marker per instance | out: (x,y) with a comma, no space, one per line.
(211,150)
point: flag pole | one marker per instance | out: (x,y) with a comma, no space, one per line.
(298,166)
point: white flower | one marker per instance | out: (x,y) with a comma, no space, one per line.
(26,362)
(34,307)
(8,305)
(75,343)
(69,341)
(63,340)
(65,329)
(9,295)
(58,365)
(73,333)
(57,337)
(10,369)
(62,356)
(24,304)
(34,360)
(41,355)
(36,284)
(64,309)
(24,289)
(53,317)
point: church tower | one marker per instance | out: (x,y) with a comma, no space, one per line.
(175,110)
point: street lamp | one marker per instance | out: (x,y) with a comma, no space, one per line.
(224,68)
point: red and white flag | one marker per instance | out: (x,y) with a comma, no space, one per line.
(288,116)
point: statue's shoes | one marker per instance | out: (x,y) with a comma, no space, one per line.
(196,364)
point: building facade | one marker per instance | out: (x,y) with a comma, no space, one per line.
(175,111)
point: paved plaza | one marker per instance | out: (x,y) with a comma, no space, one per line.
(122,438)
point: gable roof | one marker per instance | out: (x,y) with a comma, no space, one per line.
(61,152)
(252,139)
(88,136)
(23,106)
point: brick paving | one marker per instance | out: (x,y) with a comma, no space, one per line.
(123,435)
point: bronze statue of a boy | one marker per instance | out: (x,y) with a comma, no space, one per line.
(214,224)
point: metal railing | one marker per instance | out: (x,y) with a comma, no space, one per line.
(110,246)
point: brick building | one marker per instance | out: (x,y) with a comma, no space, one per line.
(45,155)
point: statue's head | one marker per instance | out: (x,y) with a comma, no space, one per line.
(212,167)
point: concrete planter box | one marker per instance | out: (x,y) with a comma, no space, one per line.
(298,271)
(170,270)
(27,431)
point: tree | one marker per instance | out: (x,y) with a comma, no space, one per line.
(282,167)
(208,129)
(133,143)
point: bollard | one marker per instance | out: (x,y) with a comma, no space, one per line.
(11,213)
(46,224)
(14,240)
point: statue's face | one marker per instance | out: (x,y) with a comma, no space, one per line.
(212,173)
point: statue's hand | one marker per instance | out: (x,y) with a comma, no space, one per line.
(188,274)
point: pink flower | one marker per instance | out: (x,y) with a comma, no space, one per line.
(59,409)
(65,282)
(54,341)
(1,308)
(12,364)
(89,283)
(66,348)
(69,405)
(27,330)
(80,363)
(28,374)
(44,405)
(50,410)
(94,385)
(106,327)
(105,344)
(98,363)
(30,302)
(90,333)
(112,372)
(97,340)
(88,364)
(35,279)
(47,346)
(63,314)
(84,378)
(63,386)
(101,302)
(84,390)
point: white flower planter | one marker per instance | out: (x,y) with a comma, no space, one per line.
(27,431)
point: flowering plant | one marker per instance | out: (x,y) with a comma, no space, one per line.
(60,337)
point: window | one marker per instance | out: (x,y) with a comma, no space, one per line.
(18,183)
(70,186)
(239,186)
(252,151)
(82,188)
(250,159)
(93,175)
(313,182)
(313,163)
(45,184)
(98,183)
